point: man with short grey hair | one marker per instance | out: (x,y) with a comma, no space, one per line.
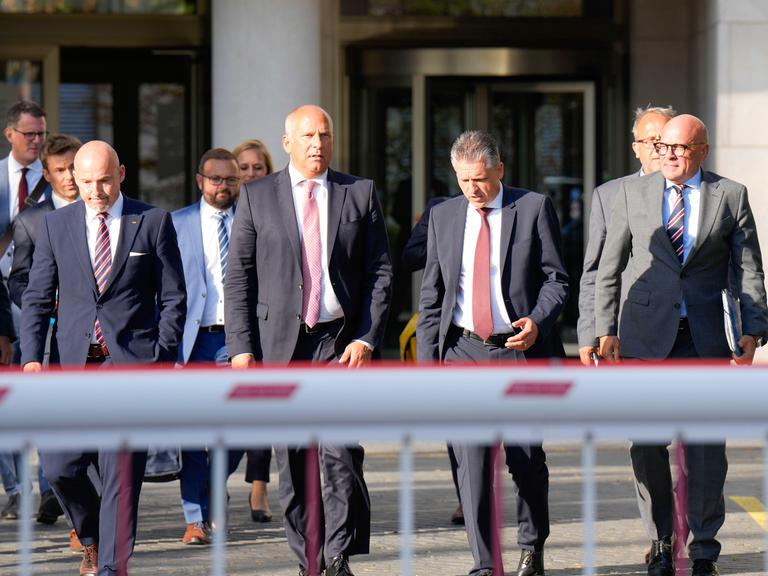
(488,294)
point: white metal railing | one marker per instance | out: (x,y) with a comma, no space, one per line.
(302,405)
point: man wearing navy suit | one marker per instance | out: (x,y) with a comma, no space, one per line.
(203,231)
(113,267)
(494,284)
(309,279)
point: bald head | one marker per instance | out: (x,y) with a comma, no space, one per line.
(98,173)
(690,131)
(308,140)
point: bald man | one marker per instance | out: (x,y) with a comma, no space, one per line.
(113,265)
(685,228)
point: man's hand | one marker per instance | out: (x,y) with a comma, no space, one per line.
(526,337)
(245,360)
(610,348)
(6,350)
(748,345)
(356,354)
(585,354)
(33,367)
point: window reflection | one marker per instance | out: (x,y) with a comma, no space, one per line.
(505,8)
(99,6)
(19,80)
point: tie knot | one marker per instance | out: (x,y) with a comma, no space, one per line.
(102,216)
(221,215)
(309,187)
(484,211)
(24,171)
(679,188)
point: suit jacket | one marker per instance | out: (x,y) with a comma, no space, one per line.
(415,251)
(726,254)
(189,232)
(25,227)
(143,306)
(263,291)
(603,199)
(5,191)
(534,279)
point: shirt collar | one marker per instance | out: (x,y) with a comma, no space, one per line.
(59,202)
(298,178)
(693,182)
(115,212)
(498,201)
(209,211)
(15,166)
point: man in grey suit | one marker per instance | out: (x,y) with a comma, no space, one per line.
(494,284)
(691,234)
(309,278)
(646,131)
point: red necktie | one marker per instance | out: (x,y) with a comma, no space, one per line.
(675,226)
(481,279)
(311,257)
(102,265)
(23,188)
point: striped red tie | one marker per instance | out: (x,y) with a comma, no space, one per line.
(102,265)
(675,225)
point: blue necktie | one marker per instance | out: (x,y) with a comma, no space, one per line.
(675,225)
(223,243)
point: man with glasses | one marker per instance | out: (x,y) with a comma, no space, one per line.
(691,234)
(21,184)
(203,231)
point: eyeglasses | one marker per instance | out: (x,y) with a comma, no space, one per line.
(647,142)
(676,149)
(218,180)
(30,136)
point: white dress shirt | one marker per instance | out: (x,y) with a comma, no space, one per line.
(691,204)
(213,309)
(59,202)
(330,308)
(462,313)
(14,178)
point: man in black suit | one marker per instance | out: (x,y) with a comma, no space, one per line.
(488,294)
(309,278)
(113,266)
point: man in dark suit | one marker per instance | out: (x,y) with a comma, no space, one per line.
(691,234)
(113,267)
(489,292)
(309,278)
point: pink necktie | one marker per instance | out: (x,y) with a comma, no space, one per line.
(311,257)
(481,279)
(102,264)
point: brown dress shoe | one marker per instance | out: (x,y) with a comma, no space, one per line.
(90,564)
(197,534)
(74,542)
(458,516)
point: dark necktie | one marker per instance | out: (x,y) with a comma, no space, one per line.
(676,223)
(481,279)
(23,188)
(223,243)
(102,265)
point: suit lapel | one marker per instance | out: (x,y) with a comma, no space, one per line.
(196,227)
(710,196)
(508,216)
(130,222)
(5,192)
(79,242)
(336,194)
(287,211)
(456,230)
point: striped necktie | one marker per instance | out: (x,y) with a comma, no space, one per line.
(102,264)
(676,223)
(223,243)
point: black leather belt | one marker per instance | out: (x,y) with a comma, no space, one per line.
(497,340)
(97,352)
(213,328)
(333,325)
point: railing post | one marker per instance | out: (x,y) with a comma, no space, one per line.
(25,514)
(406,507)
(588,503)
(219,507)
(497,508)
(681,508)
(765,499)
(313,502)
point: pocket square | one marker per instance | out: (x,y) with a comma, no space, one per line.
(137,253)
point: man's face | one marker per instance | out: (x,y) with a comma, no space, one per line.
(686,130)
(60,172)
(221,195)
(310,142)
(98,175)
(479,183)
(26,138)
(649,130)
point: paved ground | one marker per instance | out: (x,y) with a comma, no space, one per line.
(440,549)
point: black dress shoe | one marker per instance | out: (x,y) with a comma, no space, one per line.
(531,563)
(458,516)
(660,561)
(50,509)
(339,566)
(705,568)
(259,515)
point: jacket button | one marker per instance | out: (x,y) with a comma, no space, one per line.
(298,317)
(677,305)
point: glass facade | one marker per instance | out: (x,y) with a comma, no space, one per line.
(479,8)
(99,6)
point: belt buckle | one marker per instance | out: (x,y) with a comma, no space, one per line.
(307,329)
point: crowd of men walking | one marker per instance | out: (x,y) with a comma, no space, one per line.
(295,265)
